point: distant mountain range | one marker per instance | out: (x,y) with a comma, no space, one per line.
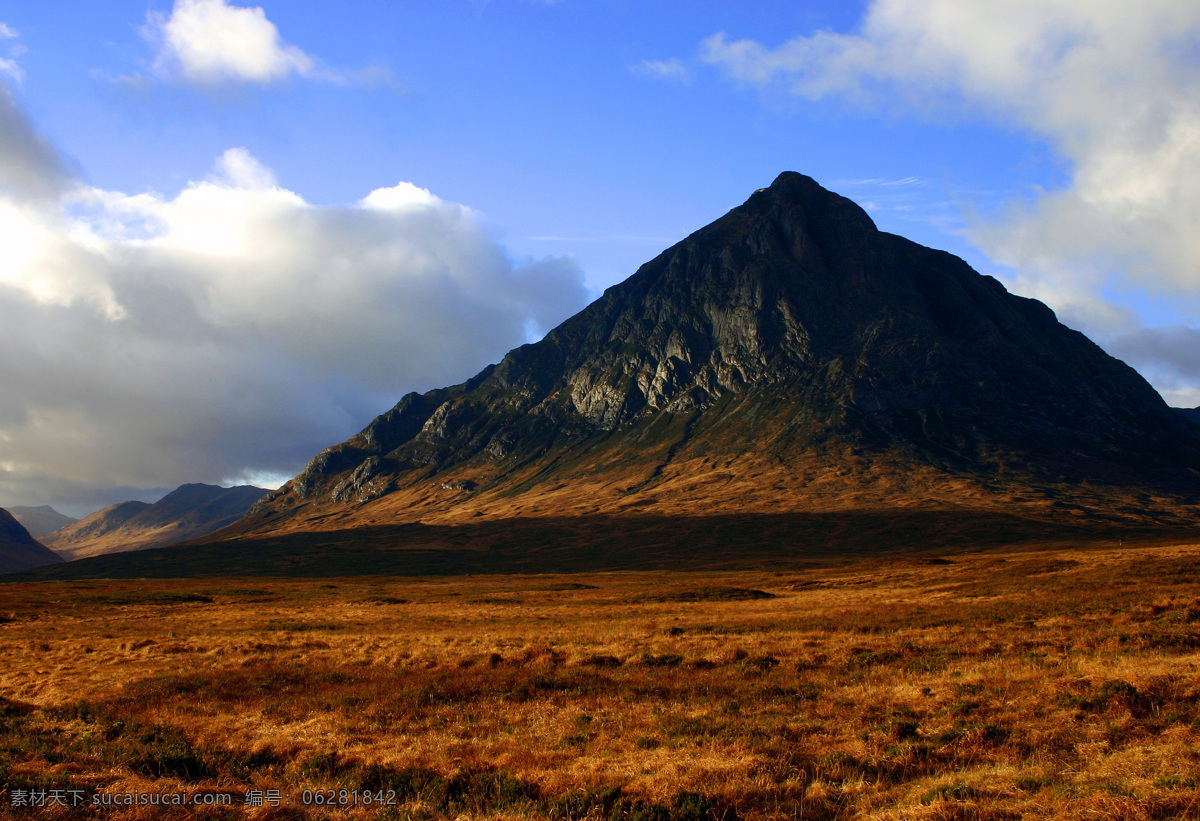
(18,550)
(40,520)
(1191,413)
(188,512)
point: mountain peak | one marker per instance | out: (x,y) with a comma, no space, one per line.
(795,186)
(788,330)
(798,196)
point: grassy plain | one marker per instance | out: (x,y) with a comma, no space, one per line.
(1033,684)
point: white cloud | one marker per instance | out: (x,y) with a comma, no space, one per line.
(238,168)
(210,41)
(672,69)
(233,329)
(1111,86)
(903,181)
(8,64)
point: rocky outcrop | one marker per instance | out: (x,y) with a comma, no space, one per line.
(791,314)
(18,550)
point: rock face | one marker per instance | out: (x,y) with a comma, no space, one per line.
(188,512)
(791,334)
(40,520)
(18,550)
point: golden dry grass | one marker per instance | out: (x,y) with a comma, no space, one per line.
(1052,684)
(619,479)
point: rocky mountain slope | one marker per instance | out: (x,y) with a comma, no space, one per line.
(788,357)
(1190,413)
(188,512)
(18,550)
(40,520)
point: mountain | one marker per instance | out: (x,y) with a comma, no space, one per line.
(788,358)
(787,384)
(40,520)
(18,550)
(93,529)
(188,512)
(1190,413)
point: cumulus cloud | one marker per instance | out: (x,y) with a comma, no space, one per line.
(234,329)
(210,41)
(1111,87)
(672,69)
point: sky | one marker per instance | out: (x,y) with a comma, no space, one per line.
(233,234)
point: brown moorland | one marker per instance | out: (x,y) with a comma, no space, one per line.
(990,685)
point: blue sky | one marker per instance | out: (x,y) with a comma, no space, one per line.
(535,114)
(205,287)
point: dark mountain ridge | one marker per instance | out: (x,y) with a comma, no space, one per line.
(790,327)
(18,550)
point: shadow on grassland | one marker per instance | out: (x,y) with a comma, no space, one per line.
(601,543)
